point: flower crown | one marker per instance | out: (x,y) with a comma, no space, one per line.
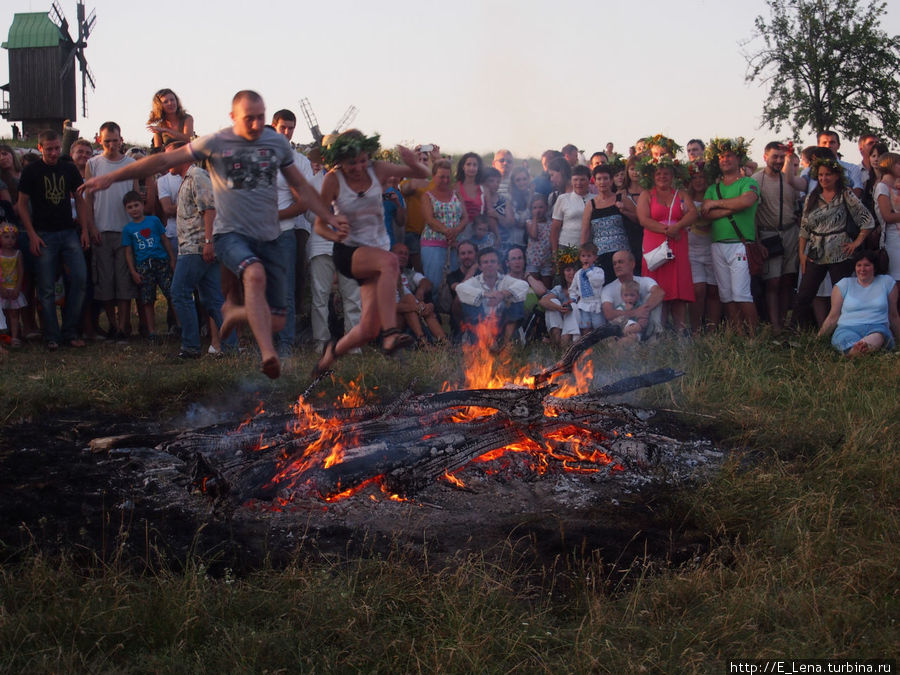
(8,228)
(616,161)
(829,163)
(350,144)
(695,167)
(669,146)
(567,255)
(647,167)
(718,146)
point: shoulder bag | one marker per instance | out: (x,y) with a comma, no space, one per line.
(756,253)
(660,255)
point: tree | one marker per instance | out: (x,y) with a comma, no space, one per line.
(828,65)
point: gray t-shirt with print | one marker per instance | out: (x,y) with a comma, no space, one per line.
(244,180)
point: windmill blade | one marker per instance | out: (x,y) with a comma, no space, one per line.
(86,73)
(308,113)
(311,120)
(89,23)
(79,15)
(348,116)
(60,20)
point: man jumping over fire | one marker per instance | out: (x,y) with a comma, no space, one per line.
(243,164)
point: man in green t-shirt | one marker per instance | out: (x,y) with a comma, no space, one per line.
(730,203)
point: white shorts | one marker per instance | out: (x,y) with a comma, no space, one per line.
(701,258)
(732,272)
(567,323)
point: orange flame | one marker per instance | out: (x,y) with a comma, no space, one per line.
(572,448)
(450,478)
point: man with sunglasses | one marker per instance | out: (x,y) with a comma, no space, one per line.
(503,162)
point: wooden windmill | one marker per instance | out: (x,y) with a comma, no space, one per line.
(41,89)
(313,123)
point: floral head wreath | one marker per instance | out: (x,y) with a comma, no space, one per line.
(669,146)
(616,162)
(829,163)
(718,146)
(567,255)
(8,228)
(647,167)
(350,144)
(695,167)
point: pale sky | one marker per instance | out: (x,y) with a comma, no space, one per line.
(467,74)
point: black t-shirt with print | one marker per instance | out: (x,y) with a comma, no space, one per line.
(50,188)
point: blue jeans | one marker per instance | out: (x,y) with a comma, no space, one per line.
(191,272)
(287,245)
(62,247)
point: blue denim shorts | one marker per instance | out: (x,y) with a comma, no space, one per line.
(237,252)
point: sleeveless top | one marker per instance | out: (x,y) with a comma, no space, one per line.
(474,205)
(365,212)
(608,229)
(449,214)
(9,271)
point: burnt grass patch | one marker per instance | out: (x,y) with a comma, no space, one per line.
(59,498)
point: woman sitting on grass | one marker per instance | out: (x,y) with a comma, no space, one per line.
(863,310)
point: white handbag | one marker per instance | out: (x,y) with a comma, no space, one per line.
(658,256)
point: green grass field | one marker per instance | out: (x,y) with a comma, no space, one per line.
(802,530)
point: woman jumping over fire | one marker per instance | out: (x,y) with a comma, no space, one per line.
(361,250)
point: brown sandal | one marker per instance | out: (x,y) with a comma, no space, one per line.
(400,342)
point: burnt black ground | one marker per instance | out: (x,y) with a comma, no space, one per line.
(57,497)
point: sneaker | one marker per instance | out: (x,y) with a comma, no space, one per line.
(52,346)
(185,355)
(215,353)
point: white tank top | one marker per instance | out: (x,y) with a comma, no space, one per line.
(365,212)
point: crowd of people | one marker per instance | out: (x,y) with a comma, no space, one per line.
(239,227)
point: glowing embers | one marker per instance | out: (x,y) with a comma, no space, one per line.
(495,422)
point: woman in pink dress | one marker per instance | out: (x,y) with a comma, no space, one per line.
(666,213)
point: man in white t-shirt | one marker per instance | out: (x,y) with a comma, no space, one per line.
(648,313)
(294,235)
(167,186)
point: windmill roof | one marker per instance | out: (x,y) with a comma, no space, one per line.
(32,29)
